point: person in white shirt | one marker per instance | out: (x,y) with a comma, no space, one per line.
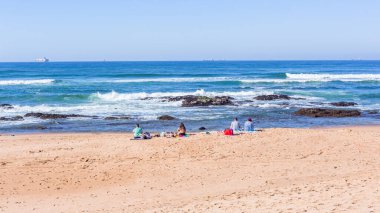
(235,126)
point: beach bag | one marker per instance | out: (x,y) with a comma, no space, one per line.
(228,132)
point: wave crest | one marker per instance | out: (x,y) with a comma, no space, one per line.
(332,77)
(115,96)
(25,82)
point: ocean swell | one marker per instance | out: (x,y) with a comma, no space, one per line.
(196,79)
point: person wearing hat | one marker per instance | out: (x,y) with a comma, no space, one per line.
(248,125)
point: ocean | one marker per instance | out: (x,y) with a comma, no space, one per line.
(135,89)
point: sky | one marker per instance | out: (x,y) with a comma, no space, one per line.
(135,30)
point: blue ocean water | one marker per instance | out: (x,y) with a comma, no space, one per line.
(134,89)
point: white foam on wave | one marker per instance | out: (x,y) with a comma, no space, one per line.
(115,96)
(135,109)
(131,104)
(332,77)
(270,80)
(24,82)
(302,78)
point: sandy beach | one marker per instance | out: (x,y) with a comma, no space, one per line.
(276,170)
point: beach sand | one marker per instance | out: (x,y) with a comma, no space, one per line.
(276,170)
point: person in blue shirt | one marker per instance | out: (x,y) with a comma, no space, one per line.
(248,125)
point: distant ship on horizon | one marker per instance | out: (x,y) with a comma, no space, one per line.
(44,59)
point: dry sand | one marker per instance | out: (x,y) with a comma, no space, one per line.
(277,170)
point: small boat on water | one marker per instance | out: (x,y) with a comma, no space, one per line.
(44,59)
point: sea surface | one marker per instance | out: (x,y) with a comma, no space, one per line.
(133,89)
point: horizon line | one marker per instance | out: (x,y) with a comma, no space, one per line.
(204,60)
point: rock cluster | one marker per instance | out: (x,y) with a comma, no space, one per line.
(110,118)
(15,118)
(320,112)
(193,100)
(343,104)
(165,118)
(6,106)
(272,97)
(52,116)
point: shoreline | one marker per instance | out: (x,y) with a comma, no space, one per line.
(278,169)
(191,132)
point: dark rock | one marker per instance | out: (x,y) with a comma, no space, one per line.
(319,112)
(272,97)
(206,101)
(52,116)
(372,112)
(343,104)
(297,98)
(6,106)
(15,118)
(178,98)
(165,118)
(193,100)
(110,118)
(202,128)
(316,103)
(147,98)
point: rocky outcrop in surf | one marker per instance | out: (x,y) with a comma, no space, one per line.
(15,118)
(272,97)
(373,112)
(6,106)
(321,112)
(110,118)
(193,100)
(165,118)
(53,116)
(206,101)
(343,104)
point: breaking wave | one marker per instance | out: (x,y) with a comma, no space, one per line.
(25,82)
(115,96)
(332,77)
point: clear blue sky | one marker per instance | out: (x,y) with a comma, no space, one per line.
(189,29)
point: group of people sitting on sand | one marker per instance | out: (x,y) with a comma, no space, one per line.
(248,126)
(235,128)
(139,134)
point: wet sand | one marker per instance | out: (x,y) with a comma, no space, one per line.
(276,170)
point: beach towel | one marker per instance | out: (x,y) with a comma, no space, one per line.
(135,139)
